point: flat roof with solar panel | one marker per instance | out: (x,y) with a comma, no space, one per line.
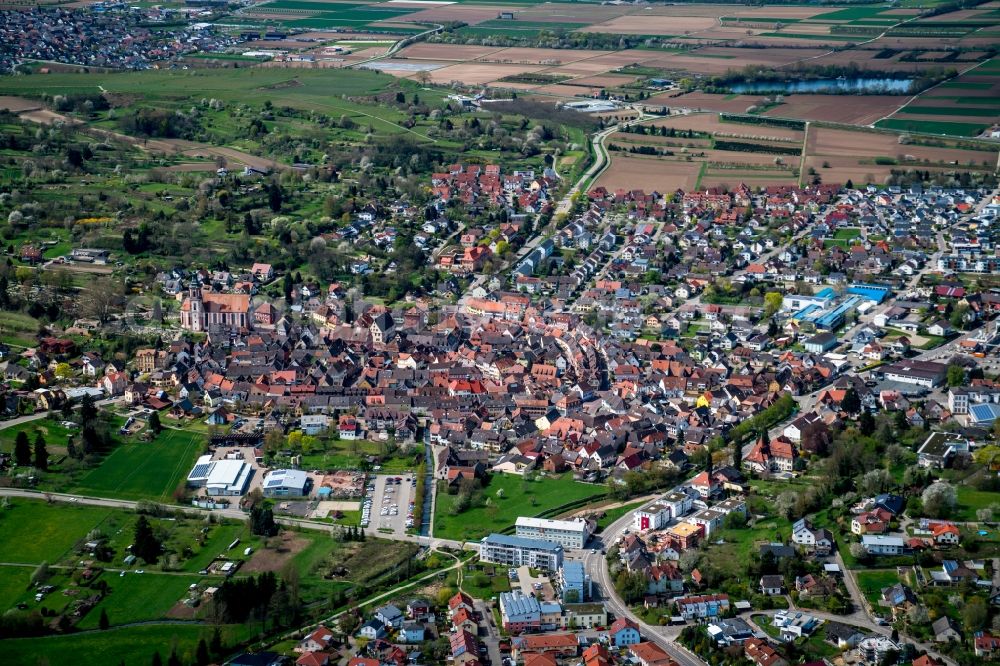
(985,412)
(200,471)
(220,477)
(285,482)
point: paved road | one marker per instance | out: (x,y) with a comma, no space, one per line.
(602,161)
(489,632)
(235,514)
(41,415)
(596,567)
(666,637)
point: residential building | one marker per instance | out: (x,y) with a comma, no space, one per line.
(623,632)
(939,449)
(708,519)
(776,455)
(514,551)
(685,535)
(882,544)
(986,644)
(701,606)
(567,533)
(519,612)
(318,640)
(390,616)
(818,541)
(771,585)
(762,654)
(584,616)
(654,516)
(650,654)
(574,582)
(372,630)
(732,631)
(556,645)
(945,631)
(464,648)
(843,636)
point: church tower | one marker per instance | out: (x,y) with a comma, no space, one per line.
(196,307)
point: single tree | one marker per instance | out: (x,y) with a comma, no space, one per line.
(974,614)
(102,300)
(103,623)
(215,646)
(88,410)
(145,546)
(154,423)
(157,659)
(201,656)
(275,197)
(772,303)
(22,449)
(41,453)
(851,402)
(939,499)
(866,423)
(956,375)
(262,521)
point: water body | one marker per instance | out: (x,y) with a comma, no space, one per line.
(847,86)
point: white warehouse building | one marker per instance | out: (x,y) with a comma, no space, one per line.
(220,478)
(566,533)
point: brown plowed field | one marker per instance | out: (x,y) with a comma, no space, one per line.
(455,52)
(470,14)
(749,178)
(709,122)
(849,109)
(18,104)
(845,143)
(563,90)
(533,56)
(604,80)
(648,23)
(476,74)
(649,174)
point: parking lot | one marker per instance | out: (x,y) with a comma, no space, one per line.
(387,505)
(538,586)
